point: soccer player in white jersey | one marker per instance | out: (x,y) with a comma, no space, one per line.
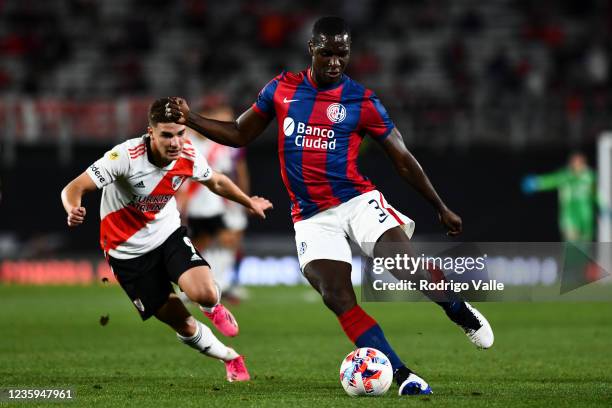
(140,230)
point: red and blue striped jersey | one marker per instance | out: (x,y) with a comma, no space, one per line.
(319,134)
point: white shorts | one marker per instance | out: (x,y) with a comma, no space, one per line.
(234,217)
(362,219)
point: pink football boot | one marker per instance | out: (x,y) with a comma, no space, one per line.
(223,320)
(236,370)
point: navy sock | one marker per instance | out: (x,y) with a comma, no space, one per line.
(451,307)
(365,332)
(374,337)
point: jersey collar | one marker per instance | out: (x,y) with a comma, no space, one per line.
(311,82)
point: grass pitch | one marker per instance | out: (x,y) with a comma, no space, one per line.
(546,354)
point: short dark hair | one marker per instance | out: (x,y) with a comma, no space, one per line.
(157,112)
(330,25)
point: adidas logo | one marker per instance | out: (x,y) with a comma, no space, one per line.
(140,184)
(195,257)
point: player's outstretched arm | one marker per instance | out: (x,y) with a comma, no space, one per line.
(410,170)
(72,195)
(235,134)
(222,185)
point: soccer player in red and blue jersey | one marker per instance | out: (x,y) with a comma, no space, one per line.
(323,116)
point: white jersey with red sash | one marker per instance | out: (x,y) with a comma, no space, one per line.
(138,211)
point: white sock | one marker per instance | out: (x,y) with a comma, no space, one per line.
(206,343)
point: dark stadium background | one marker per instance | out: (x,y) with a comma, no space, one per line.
(484,93)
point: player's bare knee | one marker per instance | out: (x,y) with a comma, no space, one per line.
(205,295)
(208,298)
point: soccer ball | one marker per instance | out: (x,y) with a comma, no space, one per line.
(366,371)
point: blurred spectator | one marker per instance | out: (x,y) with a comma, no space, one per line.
(482,56)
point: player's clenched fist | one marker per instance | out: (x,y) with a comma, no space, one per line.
(177,110)
(451,221)
(76,216)
(259,205)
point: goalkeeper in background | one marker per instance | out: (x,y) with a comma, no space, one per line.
(577,197)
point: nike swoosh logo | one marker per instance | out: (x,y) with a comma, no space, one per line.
(285,100)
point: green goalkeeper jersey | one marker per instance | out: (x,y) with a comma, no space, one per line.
(577,199)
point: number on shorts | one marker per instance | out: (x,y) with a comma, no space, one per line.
(190,245)
(382,215)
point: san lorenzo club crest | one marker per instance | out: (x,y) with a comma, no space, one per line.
(176,182)
(336,112)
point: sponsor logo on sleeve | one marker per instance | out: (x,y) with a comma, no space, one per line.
(113,155)
(96,172)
